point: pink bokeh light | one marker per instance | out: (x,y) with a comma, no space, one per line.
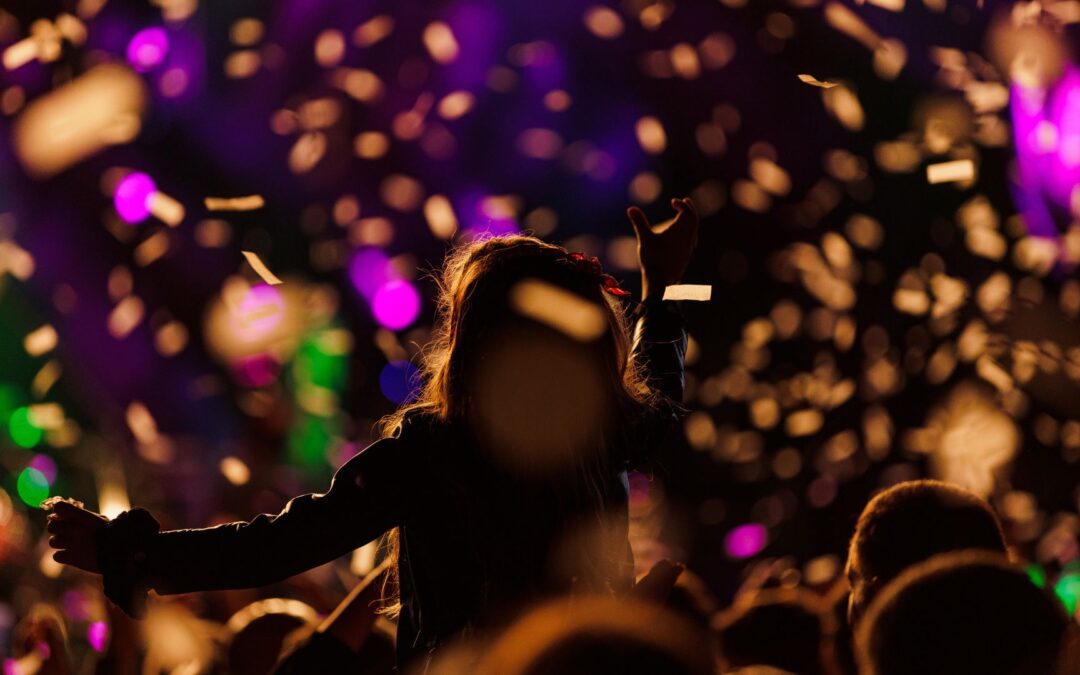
(132,197)
(97,634)
(396,304)
(147,49)
(745,540)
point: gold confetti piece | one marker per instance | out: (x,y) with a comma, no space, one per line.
(166,209)
(603,22)
(989,370)
(842,103)
(261,269)
(849,23)
(45,378)
(234,470)
(141,423)
(440,217)
(951,172)
(455,104)
(171,338)
(242,64)
(814,82)
(101,108)
(362,85)
(696,292)
(373,30)
(371,145)
(248,203)
(804,422)
(650,134)
(770,176)
(564,311)
(684,61)
(440,42)
(329,48)
(22,52)
(401,192)
(246,32)
(307,152)
(125,317)
(150,250)
(40,341)
(46,415)
(891,5)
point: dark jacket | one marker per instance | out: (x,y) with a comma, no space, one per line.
(477,542)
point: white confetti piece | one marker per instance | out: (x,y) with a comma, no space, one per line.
(698,292)
(951,172)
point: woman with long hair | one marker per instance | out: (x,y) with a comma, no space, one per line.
(503,483)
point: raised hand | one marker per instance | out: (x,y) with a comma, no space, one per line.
(664,251)
(74,532)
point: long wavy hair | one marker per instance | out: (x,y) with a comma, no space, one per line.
(472,286)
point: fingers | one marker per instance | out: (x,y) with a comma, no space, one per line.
(66,511)
(640,222)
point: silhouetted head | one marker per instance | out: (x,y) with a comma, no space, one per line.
(529,348)
(909,523)
(778,628)
(595,634)
(961,613)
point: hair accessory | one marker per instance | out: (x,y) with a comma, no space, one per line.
(591,265)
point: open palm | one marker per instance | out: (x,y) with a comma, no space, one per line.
(664,250)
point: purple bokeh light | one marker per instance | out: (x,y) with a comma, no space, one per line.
(46,465)
(132,197)
(396,304)
(147,49)
(369,270)
(745,540)
(1046,129)
(97,634)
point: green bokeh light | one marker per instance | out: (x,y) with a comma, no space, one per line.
(23,430)
(1037,575)
(32,486)
(1067,589)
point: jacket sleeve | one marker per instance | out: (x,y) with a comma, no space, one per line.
(660,347)
(366,497)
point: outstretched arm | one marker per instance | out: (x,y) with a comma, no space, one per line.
(364,500)
(659,334)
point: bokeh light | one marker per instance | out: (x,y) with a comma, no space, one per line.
(398,381)
(132,197)
(147,49)
(369,270)
(97,634)
(22,428)
(746,541)
(32,486)
(260,311)
(396,304)
(46,465)
(1067,589)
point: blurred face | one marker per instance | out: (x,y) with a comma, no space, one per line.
(538,394)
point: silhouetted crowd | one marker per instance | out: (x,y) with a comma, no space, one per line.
(930,588)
